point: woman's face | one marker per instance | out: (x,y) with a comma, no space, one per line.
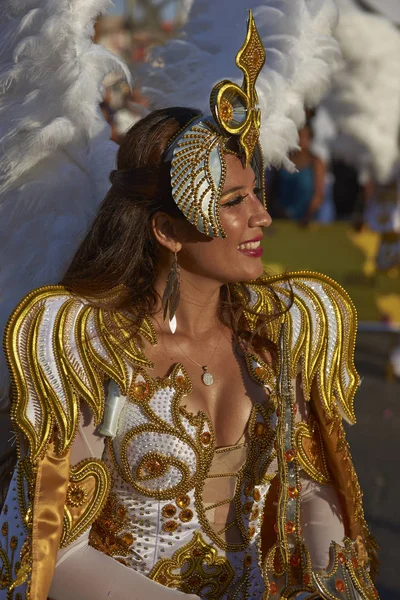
(243,217)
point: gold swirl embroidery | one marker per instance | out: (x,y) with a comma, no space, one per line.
(158,463)
(194,568)
(86,495)
(13,573)
(89,345)
(143,474)
(109,532)
(154,464)
(322,323)
(15,552)
(310,450)
(345,574)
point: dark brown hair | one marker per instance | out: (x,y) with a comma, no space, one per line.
(120,249)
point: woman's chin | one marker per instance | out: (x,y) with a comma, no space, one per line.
(255,272)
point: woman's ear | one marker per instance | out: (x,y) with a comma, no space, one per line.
(164,231)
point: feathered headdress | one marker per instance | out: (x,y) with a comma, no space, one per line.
(300,51)
(56,156)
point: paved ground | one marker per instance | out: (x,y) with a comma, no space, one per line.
(375,443)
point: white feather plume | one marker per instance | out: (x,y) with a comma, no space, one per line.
(300,55)
(55,150)
(364,100)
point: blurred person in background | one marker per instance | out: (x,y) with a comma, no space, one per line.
(346,191)
(301,195)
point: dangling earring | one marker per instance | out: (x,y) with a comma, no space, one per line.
(170,299)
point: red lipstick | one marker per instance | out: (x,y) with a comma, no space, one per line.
(253,252)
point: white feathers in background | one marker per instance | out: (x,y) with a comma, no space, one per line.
(300,55)
(364,101)
(55,150)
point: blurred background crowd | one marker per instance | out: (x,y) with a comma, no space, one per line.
(339,213)
(335,185)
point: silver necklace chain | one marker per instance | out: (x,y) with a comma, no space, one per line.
(207,378)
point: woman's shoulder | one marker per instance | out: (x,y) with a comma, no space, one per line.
(60,308)
(298,289)
(318,325)
(60,349)
(47,298)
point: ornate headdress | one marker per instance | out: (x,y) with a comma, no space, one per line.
(55,163)
(198,167)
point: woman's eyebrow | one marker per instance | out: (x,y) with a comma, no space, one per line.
(236,189)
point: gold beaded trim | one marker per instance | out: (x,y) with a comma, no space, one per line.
(47,393)
(186,570)
(310,450)
(87,493)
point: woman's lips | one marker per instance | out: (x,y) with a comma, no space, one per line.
(251,248)
(256,253)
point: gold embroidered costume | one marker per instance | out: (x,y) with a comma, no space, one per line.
(151,495)
(147,500)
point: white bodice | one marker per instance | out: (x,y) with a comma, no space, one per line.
(160,459)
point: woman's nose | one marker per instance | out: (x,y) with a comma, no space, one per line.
(260,218)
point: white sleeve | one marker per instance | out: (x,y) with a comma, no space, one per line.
(320,511)
(83,573)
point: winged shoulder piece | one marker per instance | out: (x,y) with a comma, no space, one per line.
(321,324)
(60,350)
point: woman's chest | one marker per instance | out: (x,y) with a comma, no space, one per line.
(164,442)
(226,397)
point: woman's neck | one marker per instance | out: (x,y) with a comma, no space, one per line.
(197,313)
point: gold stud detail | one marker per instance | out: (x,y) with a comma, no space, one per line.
(186,515)
(257,495)
(141,390)
(205,438)
(169,511)
(183,501)
(260,429)
(170,526)
(76,495)
(226,110)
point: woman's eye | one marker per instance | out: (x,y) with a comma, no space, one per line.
(236,201)
(258,191)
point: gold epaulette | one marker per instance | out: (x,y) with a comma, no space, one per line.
(60,349)
(321,324)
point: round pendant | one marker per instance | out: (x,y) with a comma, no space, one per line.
(207,378)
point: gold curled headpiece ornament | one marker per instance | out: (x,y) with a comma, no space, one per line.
(198,167)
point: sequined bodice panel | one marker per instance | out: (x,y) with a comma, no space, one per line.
(179,498)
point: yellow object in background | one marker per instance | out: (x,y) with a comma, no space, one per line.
(341,253)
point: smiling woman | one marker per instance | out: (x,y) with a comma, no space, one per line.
(179,414)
